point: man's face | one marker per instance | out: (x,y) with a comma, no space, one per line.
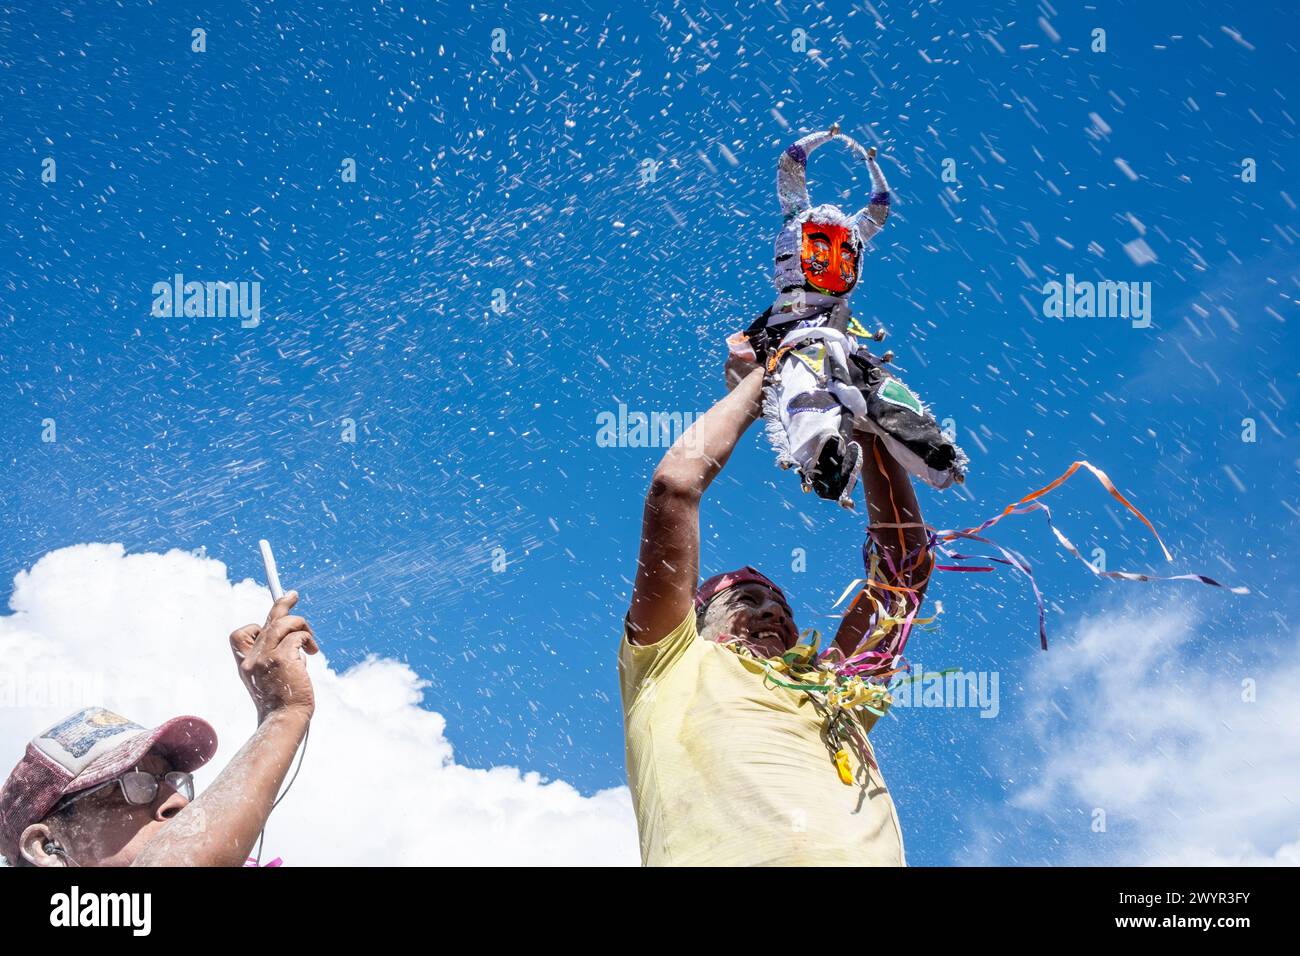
(754,614)
(829,257)
(103,829)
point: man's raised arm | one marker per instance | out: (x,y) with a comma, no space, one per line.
(891,500)
(222,825)
(669,563)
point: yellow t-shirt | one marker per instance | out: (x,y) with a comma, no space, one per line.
(728,771)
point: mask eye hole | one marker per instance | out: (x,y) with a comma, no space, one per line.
(848,263)
(818,252)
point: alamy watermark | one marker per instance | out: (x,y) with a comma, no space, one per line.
(636,429)
(1086,299)
(949,688)
(219,300)
(133,911)
(65,690)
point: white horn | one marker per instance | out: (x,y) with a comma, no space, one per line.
(792,172)
(871,217)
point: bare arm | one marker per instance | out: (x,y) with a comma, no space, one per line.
(891,499)
(221,826)
(669,564)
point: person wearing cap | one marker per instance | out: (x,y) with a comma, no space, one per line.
(97,789)
(725,767)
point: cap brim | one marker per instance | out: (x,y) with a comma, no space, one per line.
(186,742)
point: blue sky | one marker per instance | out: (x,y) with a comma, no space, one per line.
(522,171)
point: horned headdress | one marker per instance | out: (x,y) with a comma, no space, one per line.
(797,207)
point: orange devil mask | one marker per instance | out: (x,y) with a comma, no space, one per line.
(830,257)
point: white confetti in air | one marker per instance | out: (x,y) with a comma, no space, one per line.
(1126,169)
(993,42)
(1237,37)
(1232,476)
(1140,252)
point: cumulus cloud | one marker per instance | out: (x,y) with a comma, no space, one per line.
(145,635)
(1191,751)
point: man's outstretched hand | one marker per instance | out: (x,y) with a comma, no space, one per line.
(741,361)
(271,664)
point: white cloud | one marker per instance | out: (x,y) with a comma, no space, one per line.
(1141,714)
(145,635)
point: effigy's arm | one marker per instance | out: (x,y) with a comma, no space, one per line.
(905,560)
(871,218)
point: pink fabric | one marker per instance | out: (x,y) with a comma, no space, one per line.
(84,750)
(721,582)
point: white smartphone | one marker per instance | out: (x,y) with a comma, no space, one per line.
(272,574)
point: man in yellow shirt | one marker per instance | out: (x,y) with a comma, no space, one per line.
(726,767)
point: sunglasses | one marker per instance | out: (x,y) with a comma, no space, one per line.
(138,787)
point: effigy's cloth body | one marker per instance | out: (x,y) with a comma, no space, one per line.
(822,384)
